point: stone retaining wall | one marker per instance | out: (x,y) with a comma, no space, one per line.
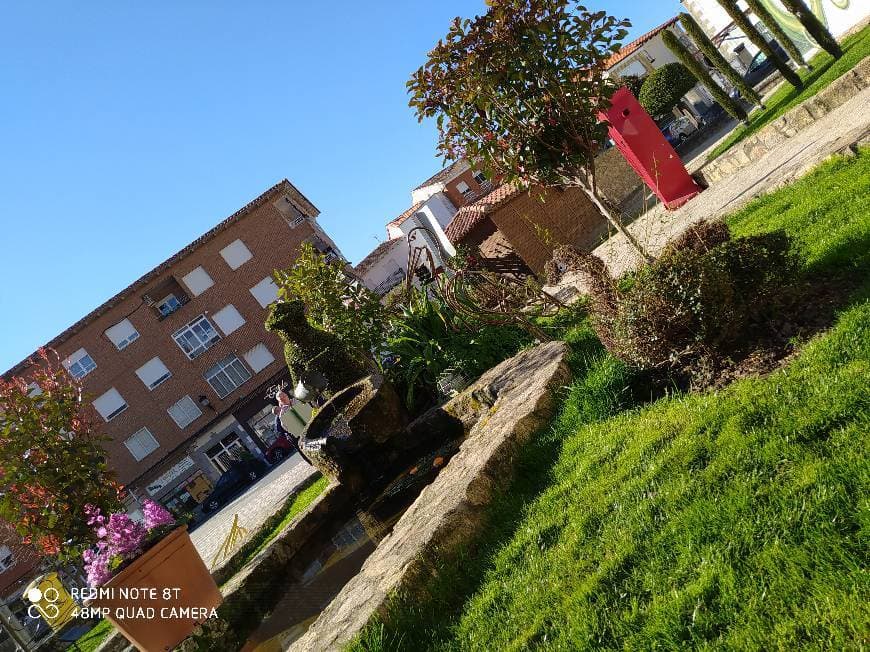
(751,149)
(500,412)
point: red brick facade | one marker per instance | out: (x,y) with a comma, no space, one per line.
(273,240)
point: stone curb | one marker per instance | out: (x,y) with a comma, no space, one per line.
(506,406)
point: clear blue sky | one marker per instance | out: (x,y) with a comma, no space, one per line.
(128,129)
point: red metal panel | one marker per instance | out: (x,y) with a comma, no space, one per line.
(644,147)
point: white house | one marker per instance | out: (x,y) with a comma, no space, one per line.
(837,15)
(648,52)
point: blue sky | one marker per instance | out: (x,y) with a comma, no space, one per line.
(128,129)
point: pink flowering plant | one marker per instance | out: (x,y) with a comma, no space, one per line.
(120,539)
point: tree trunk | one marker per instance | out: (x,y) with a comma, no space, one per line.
(602,205)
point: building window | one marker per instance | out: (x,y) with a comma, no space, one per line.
(225,452)
(153,372)
(185,412)
(110,404)
(197,281)
(228,319)
(236,254)
(227,375)
(480,177)
(141,444)
(80,364)
(259,358)
(168,304)
(196,337)
(7,559)
(122,334)
(33,389)
(463,187)
(265,292)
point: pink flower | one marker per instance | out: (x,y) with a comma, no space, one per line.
(155,515)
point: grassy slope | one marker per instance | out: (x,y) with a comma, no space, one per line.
(733,519)
(826,70)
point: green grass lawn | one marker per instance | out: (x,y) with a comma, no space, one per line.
(272,528)
(92,640)
(825,70)
(735,519)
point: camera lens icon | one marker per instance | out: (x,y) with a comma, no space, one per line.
(44,603)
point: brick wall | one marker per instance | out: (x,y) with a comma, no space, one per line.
(26,561)
(535,223)
(273,244)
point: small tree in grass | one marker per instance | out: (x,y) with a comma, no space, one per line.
(742,21)
(709,50)
(518,91)
(665,87)
(814,27)
(697,68)
(333,302)
(52,462)
(778,32)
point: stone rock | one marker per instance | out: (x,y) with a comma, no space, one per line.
(505,407)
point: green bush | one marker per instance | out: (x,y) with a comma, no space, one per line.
(426,339)
(708,297)
(663,89)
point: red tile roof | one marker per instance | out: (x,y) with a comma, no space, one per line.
(441,175)
(635,45)
(469,216)
(404,216)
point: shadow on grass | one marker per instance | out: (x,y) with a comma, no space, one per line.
(823,212)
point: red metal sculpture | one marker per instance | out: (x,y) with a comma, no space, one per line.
(644,147)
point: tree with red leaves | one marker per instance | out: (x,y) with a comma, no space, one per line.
(52,462)
(519,90)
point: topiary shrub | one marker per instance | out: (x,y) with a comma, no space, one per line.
(312,350)
(663,89)
(705,300)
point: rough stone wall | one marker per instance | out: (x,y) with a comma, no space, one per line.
(538,221)
(616,179)
(501,411)
(787,126)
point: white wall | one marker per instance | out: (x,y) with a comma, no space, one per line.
(396,259)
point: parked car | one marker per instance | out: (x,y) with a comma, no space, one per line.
(240,475)
(682,128)
(280,449)
(760,68)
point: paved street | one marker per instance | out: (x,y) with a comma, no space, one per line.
(254,506)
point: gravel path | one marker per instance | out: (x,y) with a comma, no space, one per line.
(832,133)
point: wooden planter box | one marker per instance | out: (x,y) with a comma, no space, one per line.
(185,594)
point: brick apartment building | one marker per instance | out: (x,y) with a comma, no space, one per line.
(179,367)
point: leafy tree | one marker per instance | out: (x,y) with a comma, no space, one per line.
(814,27)
(742,21)
(52,461)
(633,82)
(709,50)
(778,32)
(334,302)
(518,91)
(682,53)
(665,87)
